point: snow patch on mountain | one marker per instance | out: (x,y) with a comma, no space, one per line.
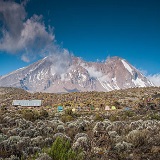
(115,83)
(139,82)
(126,65)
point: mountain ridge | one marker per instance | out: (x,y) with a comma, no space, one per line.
(54,75)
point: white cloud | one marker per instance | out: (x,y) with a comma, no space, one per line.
(25,58)
(142,71)
(155,79)
(61,62)
(20,34)
(29,37)
(93,72)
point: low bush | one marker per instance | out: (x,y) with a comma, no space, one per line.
(98,117)
(155,116)
(138,137)
(43,113)
(129,113)
(29,114)
(69,111)
(114,117)
(66,118)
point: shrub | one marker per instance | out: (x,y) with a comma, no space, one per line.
(66,118)
(69,111)
(81,142)
(155,116)
(98,117)
(138,137)
(129,113)
(60,128)
(113,117)
(61,150)
(43,156)
(123,146)
(43,114)
(29,114)
(126,114)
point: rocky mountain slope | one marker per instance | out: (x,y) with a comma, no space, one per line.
(50,75)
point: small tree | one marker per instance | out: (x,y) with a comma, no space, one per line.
(61,150)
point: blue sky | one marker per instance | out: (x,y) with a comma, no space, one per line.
(91,29)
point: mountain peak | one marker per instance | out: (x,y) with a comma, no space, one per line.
(116,58)
(65,74)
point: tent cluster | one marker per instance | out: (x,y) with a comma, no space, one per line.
(87,108)
(107,108)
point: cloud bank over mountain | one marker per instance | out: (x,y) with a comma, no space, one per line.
(155,79)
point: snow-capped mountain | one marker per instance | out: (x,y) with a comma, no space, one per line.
(50,75)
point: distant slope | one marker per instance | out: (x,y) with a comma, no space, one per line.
(5,90)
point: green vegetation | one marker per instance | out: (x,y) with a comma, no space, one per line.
(33,114)
(42,133)
(98,117)
(66,118)
(61,150)
(155,116)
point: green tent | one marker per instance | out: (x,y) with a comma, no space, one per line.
(92,107)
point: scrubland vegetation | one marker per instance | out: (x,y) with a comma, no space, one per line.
(42,134)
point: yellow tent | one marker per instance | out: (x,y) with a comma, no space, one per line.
(113,108)
(97,109)
(73,110)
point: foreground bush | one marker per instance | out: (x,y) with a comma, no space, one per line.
(61,150)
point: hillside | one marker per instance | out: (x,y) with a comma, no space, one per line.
(127,97)
(119,134)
